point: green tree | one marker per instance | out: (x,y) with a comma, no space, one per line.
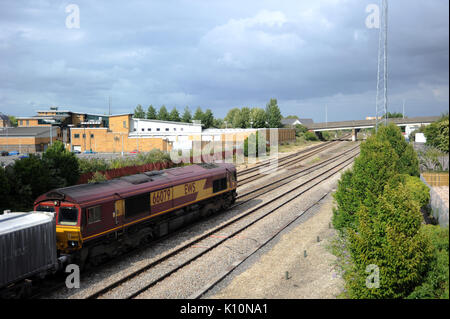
(198,115)
(174,115)
(299,129)
(408,162)
(437,133)
(139,112)
(258,116)
(13,120)
(151,113)
(242,119)
(187,117)
(229,118)
(218,123)
(28,178)
(389,238)
(163,114)
(208,118)
(63,165)
(390,115)
(273,114)
(372,170)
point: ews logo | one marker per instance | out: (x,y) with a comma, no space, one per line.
(189,188)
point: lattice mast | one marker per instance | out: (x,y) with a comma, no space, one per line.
(382,72)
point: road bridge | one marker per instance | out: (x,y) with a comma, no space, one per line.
(408,124)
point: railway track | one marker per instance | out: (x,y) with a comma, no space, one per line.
(171,257)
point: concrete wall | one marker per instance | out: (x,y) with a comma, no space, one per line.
(438,207)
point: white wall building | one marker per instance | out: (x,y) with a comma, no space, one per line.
(176,132)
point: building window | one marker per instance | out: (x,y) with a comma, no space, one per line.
(76,136)
(94,214)
(149,129)
(142,129)
(21,122)
(124,124)
(174,128)
(158,129)
(84,135)
(134,129)
(181,129)
(167,129)
(28,123)
(92,135)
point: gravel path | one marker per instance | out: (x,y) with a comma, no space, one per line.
(312,276)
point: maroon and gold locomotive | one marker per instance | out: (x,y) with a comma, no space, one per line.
(94,221)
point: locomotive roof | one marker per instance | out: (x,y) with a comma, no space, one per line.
(128,185)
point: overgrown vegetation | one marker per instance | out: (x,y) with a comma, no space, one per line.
(379,221)
(28,178)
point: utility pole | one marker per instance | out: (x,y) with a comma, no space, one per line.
(403,108)
(326,115)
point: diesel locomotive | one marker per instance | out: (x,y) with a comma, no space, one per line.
(101,220)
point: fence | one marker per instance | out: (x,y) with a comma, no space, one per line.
(438,206)
(436,179)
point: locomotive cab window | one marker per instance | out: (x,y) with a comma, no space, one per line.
(68,216)
(219,185)
(45,208)
(94,214)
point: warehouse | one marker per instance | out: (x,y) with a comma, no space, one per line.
(28,139)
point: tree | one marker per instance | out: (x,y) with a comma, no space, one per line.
(208,118)
(12,120)
(187,117)
(389,238)
(390,115)
(198,115)
(63,165)
(299,128)
(258,116)
(151,113)
(174,115)
(218,123)
(229,118)
(139,112)
(163,115)
(273,114)
(437,133)
(242,119)
(408,162)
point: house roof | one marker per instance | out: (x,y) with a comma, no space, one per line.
(296,121)
(33,131)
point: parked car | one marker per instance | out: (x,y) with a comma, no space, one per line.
(24,156)
(14,153)
(90,152)
(134,152)
(76,152)
(5,153)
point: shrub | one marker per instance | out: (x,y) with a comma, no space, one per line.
(4,191)
(63,165)
(311,136)
(437,133)
(408,162)
(97,178)
(419,191)
(389,238)
(436,282)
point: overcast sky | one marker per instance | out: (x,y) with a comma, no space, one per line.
(220,55)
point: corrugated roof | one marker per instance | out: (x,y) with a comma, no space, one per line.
(32,131)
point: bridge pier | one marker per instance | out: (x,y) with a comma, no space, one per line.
(355,134)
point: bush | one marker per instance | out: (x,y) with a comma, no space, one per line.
(63,165)
(436,282)
(310,136)
(389,238)
(299,129)
(4,190)
(437,133)
(97,178)
(419,191)
(408,162)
